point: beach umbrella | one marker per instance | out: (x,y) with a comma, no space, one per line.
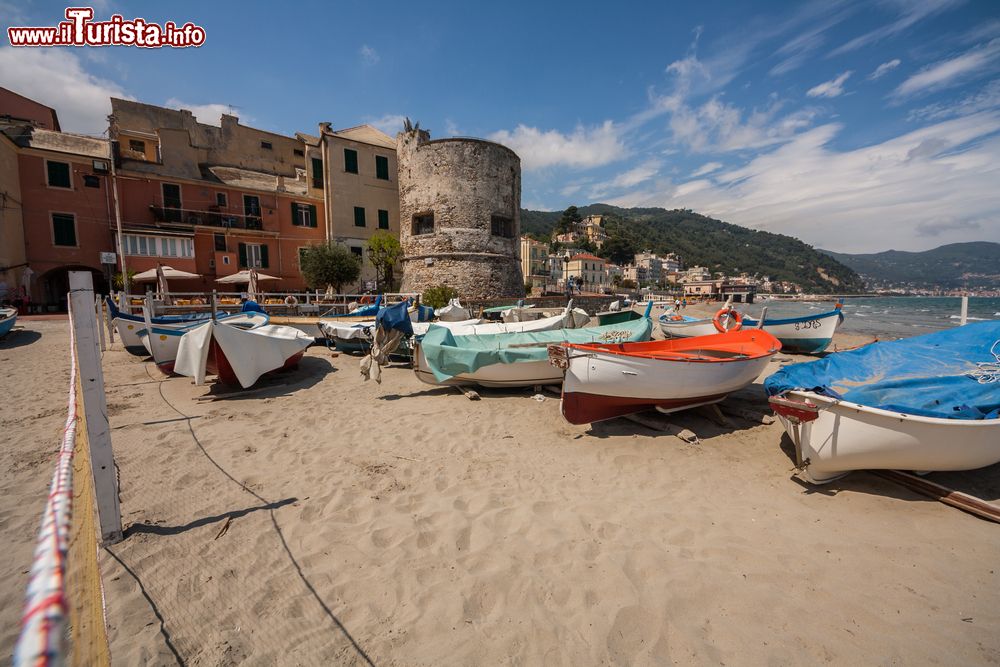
(244,277)
(161,285)
(252,285)
(169,273)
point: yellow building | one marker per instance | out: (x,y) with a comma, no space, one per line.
(591,269)
(534,261)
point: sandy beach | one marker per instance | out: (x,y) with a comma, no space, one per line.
(325,520)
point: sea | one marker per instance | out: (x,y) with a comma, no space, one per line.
(888,317)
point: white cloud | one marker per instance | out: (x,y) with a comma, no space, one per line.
(884,69)
(55,77)
(584,147)
(895,194)
(390,123)
(720,127)
(369,55)
(209,114)
(911,12)
(984,100)
(451,128)
(949,72)
(832,88)
(706,168)
(637,175)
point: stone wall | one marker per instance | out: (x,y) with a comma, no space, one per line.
(464,184)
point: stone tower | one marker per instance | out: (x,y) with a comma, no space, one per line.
(459,215)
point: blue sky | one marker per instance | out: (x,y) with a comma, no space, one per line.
(855,126)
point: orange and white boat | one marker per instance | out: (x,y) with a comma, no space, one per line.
(605,380)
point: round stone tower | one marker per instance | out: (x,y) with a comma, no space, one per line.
(460,215)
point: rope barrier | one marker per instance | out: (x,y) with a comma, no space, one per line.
(43,623)
(988,372)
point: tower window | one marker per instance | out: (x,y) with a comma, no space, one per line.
(501,225)
(423,224)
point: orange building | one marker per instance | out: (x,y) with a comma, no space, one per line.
(214,200)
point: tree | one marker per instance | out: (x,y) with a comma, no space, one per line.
(619,250)
(569,218)
(616,280)
(384,251)
(628,283)
(438,297)
(328,264)
(120,283)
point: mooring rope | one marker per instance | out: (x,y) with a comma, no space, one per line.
(988,372)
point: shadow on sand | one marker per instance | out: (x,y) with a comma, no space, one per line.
(310,372)
(19,337)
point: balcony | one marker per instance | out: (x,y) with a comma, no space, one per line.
(213,217)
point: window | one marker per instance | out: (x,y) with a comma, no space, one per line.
(359,216)
(357,251)
(100,166)
(171,202)
(298,152)
(64,229)
(225,260)
(266,145)
(221,199)
(91,181)
(501,225)
(382,167)
(383,219)
(317,166)
(253,256)
(158,246)
(251,209)
(58,174)
(350,161)
(303,215)
(137,146)
(423,224)
(220,242)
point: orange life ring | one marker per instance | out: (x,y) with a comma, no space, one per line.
(366,299)
(733,316)
(291,300)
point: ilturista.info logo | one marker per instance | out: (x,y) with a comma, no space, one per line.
(80,29)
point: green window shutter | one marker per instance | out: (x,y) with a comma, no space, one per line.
(63,230)
(59,174)
(383,219)
(295,214)
(350,161)
(263,256)
(243,255)
(312,215)
(317,166)
(382,167)
(359,216)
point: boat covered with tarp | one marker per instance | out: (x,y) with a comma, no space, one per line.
(509,359)
(925,403)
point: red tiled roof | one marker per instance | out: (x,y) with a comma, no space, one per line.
(585,256)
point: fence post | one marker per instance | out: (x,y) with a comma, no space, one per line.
(964,317)
(102,462)
(98,320)
(111,324)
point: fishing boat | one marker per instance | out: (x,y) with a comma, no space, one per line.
(512,359)
(926,403)
(618,315)
(128,325)
(811,334)
(239,357)
(163,341)
(356,338)
(606,380)
(8,317)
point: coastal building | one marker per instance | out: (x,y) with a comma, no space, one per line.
(648,268)
(359,183)
(592,229)
(696,274)
(214,200)
(459,202)
(56,203)
(587,271)
(534,262)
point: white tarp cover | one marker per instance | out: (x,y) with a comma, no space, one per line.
(453,312)
(251,352)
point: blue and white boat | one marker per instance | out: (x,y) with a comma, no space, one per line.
(128,325)
(8,317)
(162,341)
(923,404)
(810,334)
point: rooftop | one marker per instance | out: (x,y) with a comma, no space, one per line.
(254,180)
(27,136)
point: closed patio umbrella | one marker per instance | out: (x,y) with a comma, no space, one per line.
(252,285)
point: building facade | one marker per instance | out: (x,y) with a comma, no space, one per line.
(460,206)
(588,271)
(535,262)
(214,200)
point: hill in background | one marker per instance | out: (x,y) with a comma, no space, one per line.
(720,246)
(973,265)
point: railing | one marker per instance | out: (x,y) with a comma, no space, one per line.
(314,303)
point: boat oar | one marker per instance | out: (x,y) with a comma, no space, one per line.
(962,501)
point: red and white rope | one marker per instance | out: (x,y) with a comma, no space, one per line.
(43,624)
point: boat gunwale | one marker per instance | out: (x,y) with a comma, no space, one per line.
(831,403)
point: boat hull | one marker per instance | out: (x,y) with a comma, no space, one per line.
(802,335)
(524,374)
(8,317)
(128,332)
(601,386)
(845,437)
(218,364)
(687,328)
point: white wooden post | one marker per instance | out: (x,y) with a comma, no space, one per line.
(102,462)
(111,324)
(965,311)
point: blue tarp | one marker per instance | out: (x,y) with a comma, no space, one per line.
(925,375)
(395,317)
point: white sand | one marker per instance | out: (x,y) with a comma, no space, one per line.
(415,527)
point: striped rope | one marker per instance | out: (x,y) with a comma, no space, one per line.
(43,624)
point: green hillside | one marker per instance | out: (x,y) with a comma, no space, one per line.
(720,246)
(954,266)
